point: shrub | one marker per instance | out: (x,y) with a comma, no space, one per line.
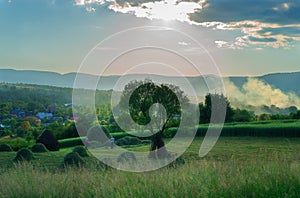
(24,154)
(48,139)
(119,135)
(72,159)
(81,150)
(16,143)
(254,130)
(126,157)
(170,133)
(128,140)
(5,148)
(39,148)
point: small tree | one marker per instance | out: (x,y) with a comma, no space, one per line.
(242,115)
(35,132)
(295,115)
(25,125)
(264,116)
(28,137)
(12,123)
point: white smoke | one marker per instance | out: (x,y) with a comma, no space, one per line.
(257,93)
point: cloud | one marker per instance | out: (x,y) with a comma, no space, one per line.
(282,7)
(90,9)
(257,93)
(258,34)
(165,9)
(265,23)
(88,2)
(227,45)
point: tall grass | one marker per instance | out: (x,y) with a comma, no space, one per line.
(200,178)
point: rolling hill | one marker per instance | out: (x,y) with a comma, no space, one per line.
(286,82)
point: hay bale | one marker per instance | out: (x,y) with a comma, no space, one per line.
(81,150)
(39,148)
(24,154)
(126,157)
(72,159)
(5,148)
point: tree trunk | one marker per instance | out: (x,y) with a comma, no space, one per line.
(159,145)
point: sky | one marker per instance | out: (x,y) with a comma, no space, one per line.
(235,37)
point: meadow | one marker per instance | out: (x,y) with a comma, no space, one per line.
(236,167)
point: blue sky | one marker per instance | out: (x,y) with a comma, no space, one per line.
(243,37)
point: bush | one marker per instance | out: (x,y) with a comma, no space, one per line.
(126,157)
(81,150)
(39,148)
(70,142)
(72,159)
(128,140)
(16,143)
(24,154)
(170,133)
(48,139)
(254,130)
(119,135)
(5,148)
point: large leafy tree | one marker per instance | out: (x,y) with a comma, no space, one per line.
(219,102)
(142,95)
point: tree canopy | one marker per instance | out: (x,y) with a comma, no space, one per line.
(142,95)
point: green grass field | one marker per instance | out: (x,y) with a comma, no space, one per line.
(236,167)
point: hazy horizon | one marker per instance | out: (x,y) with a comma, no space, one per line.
(74,72)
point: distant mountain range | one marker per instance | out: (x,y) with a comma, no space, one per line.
(286,82)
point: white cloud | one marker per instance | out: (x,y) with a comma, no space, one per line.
(253,34)
(254,31)
(165,10)
(86,2)
(227,45)
(90,9)
(282,7)
(286,6)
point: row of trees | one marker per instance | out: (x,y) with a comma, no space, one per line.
(141,96)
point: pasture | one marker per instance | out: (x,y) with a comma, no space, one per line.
(236,167)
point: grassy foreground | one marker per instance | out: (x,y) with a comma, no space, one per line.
(236,167)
